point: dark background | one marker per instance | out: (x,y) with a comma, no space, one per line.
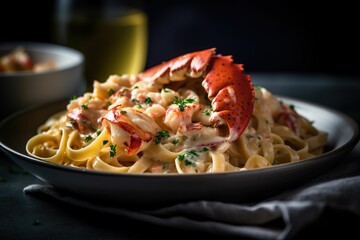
(266,36)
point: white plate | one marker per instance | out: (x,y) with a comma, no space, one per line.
(150,190)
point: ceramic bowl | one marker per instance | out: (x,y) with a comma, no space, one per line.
(23,89)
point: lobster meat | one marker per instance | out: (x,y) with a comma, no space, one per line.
(230,90)
(227,86)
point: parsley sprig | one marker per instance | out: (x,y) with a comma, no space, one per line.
(189,157)
(183,102)
(112,150)
(207,111)
(88,138)
(161,134)
(111,91)
(148,100)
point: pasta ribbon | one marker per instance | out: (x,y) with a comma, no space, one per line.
(47,147)
(131,126)
(89,151)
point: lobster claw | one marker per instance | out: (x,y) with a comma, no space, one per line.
(232,95)
(228,87)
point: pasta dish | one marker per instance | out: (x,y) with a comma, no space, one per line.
(178,117)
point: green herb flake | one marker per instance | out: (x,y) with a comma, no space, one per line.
(176,141)
(98,132)
(105,142)
(182,103)
(189,163)
(111,91)
(148,100)
(138,106)
(207,112)
(88,138)
(189,157)
(74,97)
(204,149)
(181,157)
(85,106)
(165,90)
(136,87)
(72,121)
(112,150)
(161,134)
(184,137)
(193,152)
(123,111)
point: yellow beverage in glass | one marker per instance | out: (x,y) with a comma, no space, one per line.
(111,45)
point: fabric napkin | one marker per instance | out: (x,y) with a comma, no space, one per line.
(279,217)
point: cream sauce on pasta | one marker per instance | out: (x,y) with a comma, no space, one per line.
(130,126)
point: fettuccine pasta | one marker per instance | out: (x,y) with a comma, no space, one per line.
(131,126)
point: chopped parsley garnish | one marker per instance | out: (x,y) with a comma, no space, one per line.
(112,150)
(160,135)
(183,102)
(72,121)
(165,90)
(123,111)
(189,158)
(204,149)
(73,97)
(138,106)
(176,141)
(148,100)
(105,142)
(98,132)
(207,112)
(88,138)
(136,87)
(191,163)
(111,91)
(135,100)
(84,106)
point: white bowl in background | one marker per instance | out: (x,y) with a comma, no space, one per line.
(23,89)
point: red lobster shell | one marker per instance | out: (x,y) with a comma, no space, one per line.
(228,87)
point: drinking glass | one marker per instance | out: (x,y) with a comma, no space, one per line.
(111,34)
